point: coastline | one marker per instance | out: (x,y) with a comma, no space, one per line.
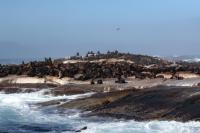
(144,97)
(116,89)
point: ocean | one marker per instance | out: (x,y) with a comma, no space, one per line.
(18,60)
(20,114)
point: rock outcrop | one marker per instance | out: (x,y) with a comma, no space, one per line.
(160,103)
(110,65)
(157,103)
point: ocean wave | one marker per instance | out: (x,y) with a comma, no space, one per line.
(144,127)
(192,60)
(19,115)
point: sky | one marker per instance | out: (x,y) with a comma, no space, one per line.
(58,28)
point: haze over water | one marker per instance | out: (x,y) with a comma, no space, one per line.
(32,29)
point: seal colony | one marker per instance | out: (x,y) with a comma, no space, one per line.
(125,85)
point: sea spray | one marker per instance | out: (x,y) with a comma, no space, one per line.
(143,127)
(18,114)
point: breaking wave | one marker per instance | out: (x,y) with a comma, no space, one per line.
(19,114)
(144,127)
(192,60)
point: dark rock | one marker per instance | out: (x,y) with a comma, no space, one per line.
(99,81)
(143,67)
(95,101)
(9,90)
(120,80)
(177,77)
(84,128)
(158,103)
(92,82)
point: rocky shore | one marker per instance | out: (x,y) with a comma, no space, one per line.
(110,65)
(159,103)
(155,103)
(123,85)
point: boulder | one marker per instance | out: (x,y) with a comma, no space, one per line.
(99,81)
(92,82)
(120,81)
(80,130)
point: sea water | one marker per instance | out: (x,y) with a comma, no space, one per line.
(20,114)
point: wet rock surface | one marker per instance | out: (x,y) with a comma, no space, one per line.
(72,89)
(124,97)
(159,103)
(96,100)
(155,103)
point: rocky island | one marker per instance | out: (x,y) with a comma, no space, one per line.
(123,85)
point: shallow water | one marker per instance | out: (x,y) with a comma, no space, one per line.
(18,114)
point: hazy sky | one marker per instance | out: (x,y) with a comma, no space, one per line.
(38,28)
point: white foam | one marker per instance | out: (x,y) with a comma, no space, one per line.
(19,108)
(186,82)
(143,127)
(19,99)
(192,60)
(15,108)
